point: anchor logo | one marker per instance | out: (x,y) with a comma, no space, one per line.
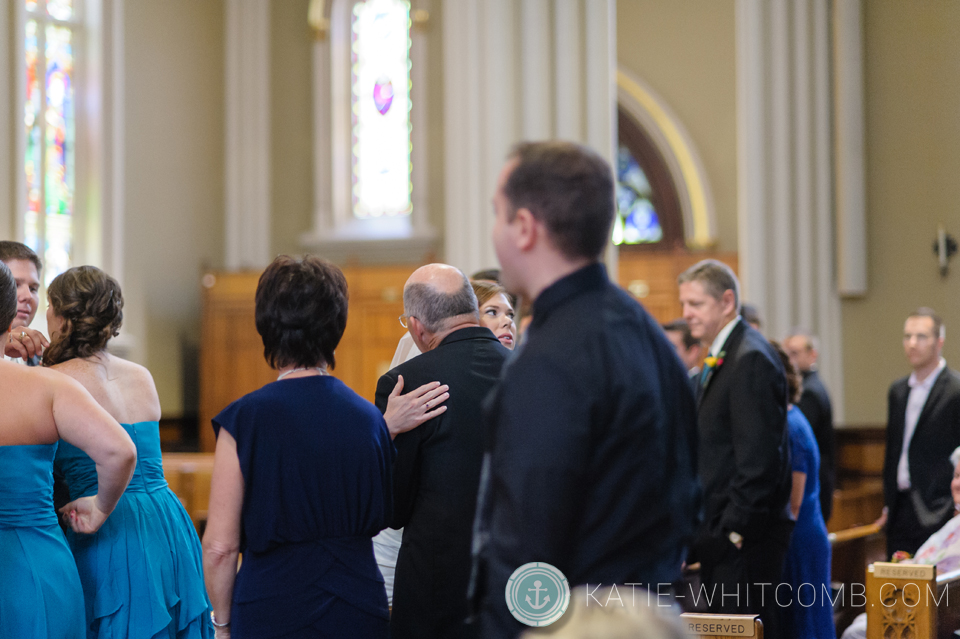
(537,590)
(542,603)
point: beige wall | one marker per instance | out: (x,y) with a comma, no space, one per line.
(912,66)
(686,52)
(174,76)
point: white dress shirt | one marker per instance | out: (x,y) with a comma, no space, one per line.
(919,392)
(722,336)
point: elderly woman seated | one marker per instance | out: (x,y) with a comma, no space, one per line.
(941,549)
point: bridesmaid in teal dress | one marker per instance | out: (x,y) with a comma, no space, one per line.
(142,573)
(40,592)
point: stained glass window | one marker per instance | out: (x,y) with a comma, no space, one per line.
(380,79)
(49,118)
(637,221)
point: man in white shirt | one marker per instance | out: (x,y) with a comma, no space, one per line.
(23,344)
(923,425)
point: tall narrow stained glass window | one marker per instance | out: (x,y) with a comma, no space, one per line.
(380,80)
(50,121)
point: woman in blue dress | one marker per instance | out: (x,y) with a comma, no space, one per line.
(301,478)
(40,593)
(142,572)
(809,614)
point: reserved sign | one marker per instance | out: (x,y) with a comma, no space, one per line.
(719,625)
(884,570)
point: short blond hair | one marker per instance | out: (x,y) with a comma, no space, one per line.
(716,278)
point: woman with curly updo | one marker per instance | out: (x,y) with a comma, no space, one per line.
(301,478)
(142,572)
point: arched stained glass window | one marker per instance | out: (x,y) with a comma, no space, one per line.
(380,81)
(648,206)
(50,121)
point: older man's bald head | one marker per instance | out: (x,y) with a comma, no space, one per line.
(442,277)
(435,293)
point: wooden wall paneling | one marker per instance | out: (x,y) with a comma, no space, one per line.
(231,353)
(651,277)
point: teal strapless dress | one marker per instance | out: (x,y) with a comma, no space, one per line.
(142,572)
(40,594)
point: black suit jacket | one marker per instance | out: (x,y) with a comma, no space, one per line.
(744,442)
(937,434)
(436,476)
(815,405)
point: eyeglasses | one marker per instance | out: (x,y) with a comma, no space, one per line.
(404,319)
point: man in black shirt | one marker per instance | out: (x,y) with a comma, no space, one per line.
(591,449)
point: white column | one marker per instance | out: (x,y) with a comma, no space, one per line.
(828,317)
(802,162)
(322,169)
(779,310)
(114,157)
(537,69)
(850,168)
(786,252)
(420,116)
(567,81)
(527,70)
(8,201)
(247,133)
(751,151)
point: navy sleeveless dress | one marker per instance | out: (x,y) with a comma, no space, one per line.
(40,594)
(142,572)
(317,467)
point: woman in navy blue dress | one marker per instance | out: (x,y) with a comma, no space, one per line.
(301,478)
(809,613)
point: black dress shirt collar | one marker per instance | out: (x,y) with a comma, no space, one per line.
(469,332)
(592,277)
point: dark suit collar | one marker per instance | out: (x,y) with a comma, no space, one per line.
(470,332)
(936,392)
(592,277)
(728,348)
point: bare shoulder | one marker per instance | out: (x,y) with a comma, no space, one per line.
(139,382)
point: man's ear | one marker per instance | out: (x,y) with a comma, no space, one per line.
(729,302)
(527,229)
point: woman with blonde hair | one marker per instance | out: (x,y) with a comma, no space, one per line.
(142,572)
(496,311)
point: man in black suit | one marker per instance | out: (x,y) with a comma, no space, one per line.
(591,456)
(923,427)
(744,450)
(437,470)
(22,343)
(804,351)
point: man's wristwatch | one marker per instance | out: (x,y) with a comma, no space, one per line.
(735,538)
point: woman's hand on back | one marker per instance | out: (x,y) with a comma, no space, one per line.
(406,412)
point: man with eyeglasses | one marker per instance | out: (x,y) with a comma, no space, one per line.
(923,426)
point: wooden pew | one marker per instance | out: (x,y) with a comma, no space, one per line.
(188,475)
(708,626)
(909,600)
